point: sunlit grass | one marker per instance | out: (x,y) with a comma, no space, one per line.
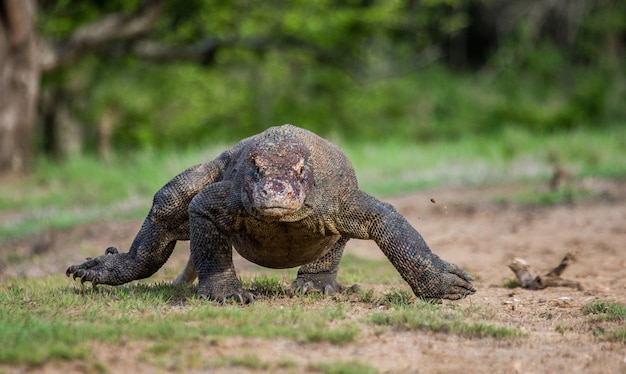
(510,156)
(44,320)
(436,318)
(611,314)
(343,367)
(605,311)
(539,197)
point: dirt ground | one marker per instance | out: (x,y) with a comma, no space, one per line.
(466,226)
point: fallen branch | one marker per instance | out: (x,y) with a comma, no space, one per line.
(551,279)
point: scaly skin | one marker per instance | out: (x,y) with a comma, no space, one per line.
(282,198)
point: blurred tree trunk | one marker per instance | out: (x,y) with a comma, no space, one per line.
(23,57)
(19,84)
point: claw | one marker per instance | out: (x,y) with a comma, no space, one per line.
(111,251)
(238,297)
(329,290)
(306,286)
(353,289)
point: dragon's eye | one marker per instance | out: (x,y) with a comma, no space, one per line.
(257,166)
(298,168)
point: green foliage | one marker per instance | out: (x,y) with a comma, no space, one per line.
(188,105)
(347,70)
(62,17)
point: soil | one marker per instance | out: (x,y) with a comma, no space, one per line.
(471,227)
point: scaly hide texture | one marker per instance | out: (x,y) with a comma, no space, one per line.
(282,198)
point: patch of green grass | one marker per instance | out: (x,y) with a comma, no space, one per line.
(610,313)
(510,283)
(561,329)
(357,269)
(617,335)
(605,311)
(343,367)
(266,286)
(511,155)
(43,321)
(246,361)
(432,317)
(287,364)
(397,298)
(366,295)
(338,336)
(85,189)
(537,197)
(46,319)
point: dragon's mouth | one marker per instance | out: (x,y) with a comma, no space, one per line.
(275,211)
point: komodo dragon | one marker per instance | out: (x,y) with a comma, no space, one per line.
(282,198)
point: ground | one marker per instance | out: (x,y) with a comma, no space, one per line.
(476,228)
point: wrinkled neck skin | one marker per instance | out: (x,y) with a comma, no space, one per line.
(277,180)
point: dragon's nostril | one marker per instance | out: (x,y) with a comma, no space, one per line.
(278,187)
(275,189)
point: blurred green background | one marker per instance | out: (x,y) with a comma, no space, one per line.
(418,93)
(352,70)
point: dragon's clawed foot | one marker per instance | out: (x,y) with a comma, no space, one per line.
(103,269)
(240,296)
(443,280)
(223,288)
(458,283)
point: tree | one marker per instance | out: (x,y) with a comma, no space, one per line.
(19,83)
(335,34)
(296,58)
(23,58)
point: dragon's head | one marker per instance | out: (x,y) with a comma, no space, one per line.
(277,178)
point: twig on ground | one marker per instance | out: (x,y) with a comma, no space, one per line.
(552,278)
